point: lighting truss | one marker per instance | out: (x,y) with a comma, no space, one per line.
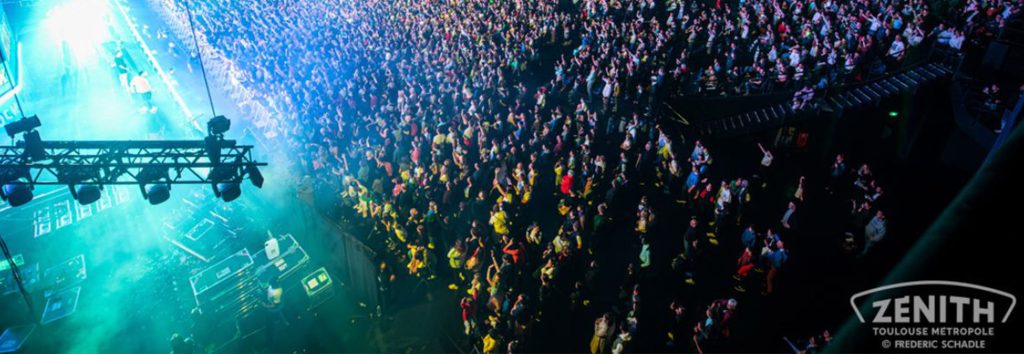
(122,162)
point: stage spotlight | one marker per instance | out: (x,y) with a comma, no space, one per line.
(150,183)
(218,125)
(17,194)
(158,193)
(22,125)
(225,181)
(75,176)
(255,176)
(86,194)
(17,189)
(227,191)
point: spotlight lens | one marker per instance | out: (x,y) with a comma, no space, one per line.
(88,194)
(158,193)
(18,194)
(229,191)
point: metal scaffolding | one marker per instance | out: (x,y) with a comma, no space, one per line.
(32,162)
(123,162)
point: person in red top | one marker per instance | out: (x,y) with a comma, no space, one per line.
(705,200)
(387,166)
(399,187)
(706,195)
(414,129)
(468,314)
(415,151)
(513,249)
(567,182)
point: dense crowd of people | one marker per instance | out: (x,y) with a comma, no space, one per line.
(505,147)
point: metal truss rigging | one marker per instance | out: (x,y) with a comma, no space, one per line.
(128,162)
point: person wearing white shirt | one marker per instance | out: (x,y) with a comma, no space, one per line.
(606,92)
(875,25)
(794,57)
(957,40)
(787,217)
(140,86)
(896,50)
(851,62)
(724,196)
(914,35)
(944,35)
(766,160)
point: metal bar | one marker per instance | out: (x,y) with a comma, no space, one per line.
(128,144)
(122,162)
(120,183)
(142,165)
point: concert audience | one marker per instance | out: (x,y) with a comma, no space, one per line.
(509,137)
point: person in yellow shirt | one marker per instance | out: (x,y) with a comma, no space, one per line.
(455,255)
(547,273)
(665,149)
(476,286)
(531,176)
(417,259)
(563,207)
(505,196)
(558,173)
(400,232)
(364,202)
(588,187)
(644,218)
(450,137)
(533,234)
(439,139)
(490,343)
(525,194)
(499,220)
